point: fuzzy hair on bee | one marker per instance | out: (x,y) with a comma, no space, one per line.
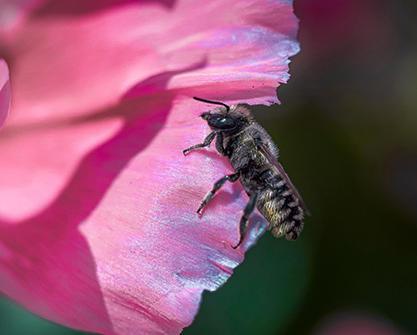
(254,157)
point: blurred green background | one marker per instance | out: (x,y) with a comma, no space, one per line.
(347,133)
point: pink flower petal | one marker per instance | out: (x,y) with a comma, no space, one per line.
(356,324)
(98,229)
(12,12)
(4,91)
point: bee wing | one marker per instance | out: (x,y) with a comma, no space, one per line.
(280,169)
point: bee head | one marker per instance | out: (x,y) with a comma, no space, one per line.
(224,118)
(219,121)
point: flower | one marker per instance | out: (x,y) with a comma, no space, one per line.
(98,229)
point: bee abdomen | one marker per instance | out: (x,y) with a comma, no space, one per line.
(283,211)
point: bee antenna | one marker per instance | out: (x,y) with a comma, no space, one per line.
(213,102)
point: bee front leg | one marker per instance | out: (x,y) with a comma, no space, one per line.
(219,144)
(217,185)
(206,143)
(250,207)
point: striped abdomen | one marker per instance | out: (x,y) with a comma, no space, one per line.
(281,207)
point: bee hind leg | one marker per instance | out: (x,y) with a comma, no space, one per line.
(250,207)
(217,185)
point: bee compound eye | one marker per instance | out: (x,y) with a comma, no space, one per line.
(224,123)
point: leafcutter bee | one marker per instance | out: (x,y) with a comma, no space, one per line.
(254,158)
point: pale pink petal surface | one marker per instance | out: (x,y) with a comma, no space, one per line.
(98,229)
(4,91)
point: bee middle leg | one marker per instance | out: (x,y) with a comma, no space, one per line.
(250,207)
(217,185)
(206,143)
